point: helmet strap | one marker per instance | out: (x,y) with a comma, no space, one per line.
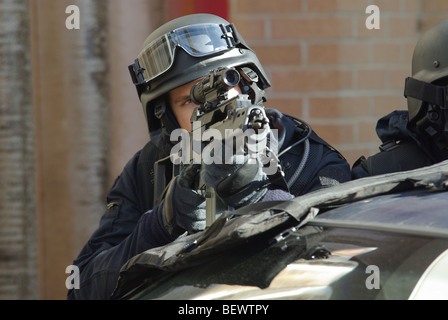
(426,92)
(159,110)
(165,115)
(434,125)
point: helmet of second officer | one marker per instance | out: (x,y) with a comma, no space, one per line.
(426,90)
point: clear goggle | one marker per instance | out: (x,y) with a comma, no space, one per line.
(197,40)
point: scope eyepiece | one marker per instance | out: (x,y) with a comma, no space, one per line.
(231,77)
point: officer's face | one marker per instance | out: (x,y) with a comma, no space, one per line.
(182,105)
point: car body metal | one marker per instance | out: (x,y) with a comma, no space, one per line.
(382,237)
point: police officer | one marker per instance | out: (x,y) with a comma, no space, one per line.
(171,61)
(417,137)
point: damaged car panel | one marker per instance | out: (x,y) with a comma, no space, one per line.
(374,238)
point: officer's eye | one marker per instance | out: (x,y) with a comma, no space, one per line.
(187,101)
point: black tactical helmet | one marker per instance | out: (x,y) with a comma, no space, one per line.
(426,90)
(183,50)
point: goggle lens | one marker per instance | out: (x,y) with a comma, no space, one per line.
(197,40)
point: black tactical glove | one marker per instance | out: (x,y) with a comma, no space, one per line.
(238,182)
(183,208)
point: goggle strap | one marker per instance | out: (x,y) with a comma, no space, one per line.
(136,72)
(235,34)
(229,35)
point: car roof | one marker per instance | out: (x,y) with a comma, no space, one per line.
(412,202)
(419,212)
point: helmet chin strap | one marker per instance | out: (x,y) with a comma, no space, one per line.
(434,124)
(163,112)
(433,109)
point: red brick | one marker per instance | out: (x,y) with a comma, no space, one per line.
(384,5)
(335,133)
(403,27)
(389,53)
(251,29)
(279,54)
(351,155)
(363,32)
(287,105)
(322,6)
(338,53)
(311,28)
(338,107)
(311,80)
(411,5)
(428,22)
(435,5)
(355,6)
(366,131)
(408,51)
(397,77)
(371,79)
(268,6)
(383,105)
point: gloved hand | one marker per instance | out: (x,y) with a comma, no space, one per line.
(183,208)
(238,181)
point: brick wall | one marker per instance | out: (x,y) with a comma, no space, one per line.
(327,68)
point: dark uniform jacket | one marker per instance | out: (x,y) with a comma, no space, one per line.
(131,224)
(401,150)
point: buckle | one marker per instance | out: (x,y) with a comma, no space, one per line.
(388,145)
(137,72)
(228,35)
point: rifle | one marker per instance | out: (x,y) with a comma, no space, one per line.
(236,122)
(242,126)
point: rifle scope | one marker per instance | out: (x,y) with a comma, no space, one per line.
(214,85)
